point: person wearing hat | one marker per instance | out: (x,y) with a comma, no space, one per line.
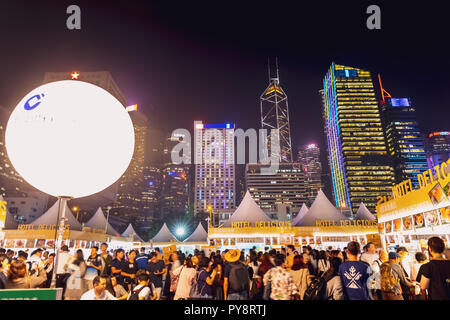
(236,281)
(405,283)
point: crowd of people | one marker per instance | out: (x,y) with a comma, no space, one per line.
(355,273)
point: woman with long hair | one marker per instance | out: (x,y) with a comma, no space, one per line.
(323,264)
(334,289)
(116,289)
(217,264)
(300,273)
(76,285)
(187,275)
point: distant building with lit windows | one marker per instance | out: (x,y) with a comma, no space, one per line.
(309,158)
(151,190)
(361,169)
(215,175)
(437,148)
(404,139)
(280,194)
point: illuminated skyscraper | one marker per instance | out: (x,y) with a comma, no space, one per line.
(215,175)
(437,148)
(129,195)
(151,190)
(309,158)
(404,139)
(361,168)
(275,115)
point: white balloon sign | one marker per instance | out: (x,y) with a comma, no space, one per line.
(70,138)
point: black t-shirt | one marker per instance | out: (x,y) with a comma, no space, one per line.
(438,272)
(156,267)
(130,268)
(118,264)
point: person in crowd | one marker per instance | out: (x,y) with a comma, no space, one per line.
(62,274)
(144,290)
(290,256)
(217,265)
(282,286)
(405,283)
(265,266)
(76,284)
(142,260)
(404,260)
(323,264)
(129,270)
(35,260)
(94,267)
(174,263)
(106,260)
(205,280)
(354,274)
(18,277)
(420,259)
(334,289)
(45,256)
(306,261)
(390,278)
(99,291)
(156,269)
(374,279)
(370,255)
(435,275)
(159,256)
(117,265)
(300,274)
(236,279)
(314,259)
(10,255)
(48,267)
(3,270)
(253,265)
(187,275)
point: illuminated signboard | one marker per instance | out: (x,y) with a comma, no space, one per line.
(218,126)
(442,133)
(400,102)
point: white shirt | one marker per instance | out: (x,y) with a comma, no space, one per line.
(144,292)
(369,258)
(64,258)
(90,295)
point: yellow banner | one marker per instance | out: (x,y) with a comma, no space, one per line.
(2,214)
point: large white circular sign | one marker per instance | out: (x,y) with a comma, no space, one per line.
(70,138)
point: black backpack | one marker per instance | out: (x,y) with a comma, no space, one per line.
(134,294)
(316,289)
(239,277)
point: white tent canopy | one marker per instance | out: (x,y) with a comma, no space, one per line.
(51,216)
(304,209)
(130,231)
(321,209)
(248,211)
(164,235)
(10,222)
(363,213)
(98,221)
(199,235)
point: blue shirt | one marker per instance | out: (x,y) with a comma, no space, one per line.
(354,275)
(142,261)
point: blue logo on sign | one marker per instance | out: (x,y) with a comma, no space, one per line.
(30,105)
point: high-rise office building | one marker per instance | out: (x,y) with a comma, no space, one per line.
(275,115)
(151,190)
(437,148)
(309,158)
(11,183)
(404,139)
(214,167)
(175,183)
(279,194)
(361,168)
(129,194)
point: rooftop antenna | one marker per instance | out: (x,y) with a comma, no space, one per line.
(278,75)
(383,92)
(268,67)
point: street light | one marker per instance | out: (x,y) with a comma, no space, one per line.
(210,212)
(180,231)
(108,208)
(75,209)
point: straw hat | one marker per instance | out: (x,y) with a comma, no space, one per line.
(233,255)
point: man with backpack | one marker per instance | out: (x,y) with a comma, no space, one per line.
(354,274)
(144,290)
(406,285)
(236,281)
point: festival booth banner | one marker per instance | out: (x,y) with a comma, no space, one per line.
(286,239)
(31,294)
(445,214)
(407,223)
(397,225)
(431,218)
(167,251)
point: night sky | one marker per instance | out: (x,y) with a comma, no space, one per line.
(207,60)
